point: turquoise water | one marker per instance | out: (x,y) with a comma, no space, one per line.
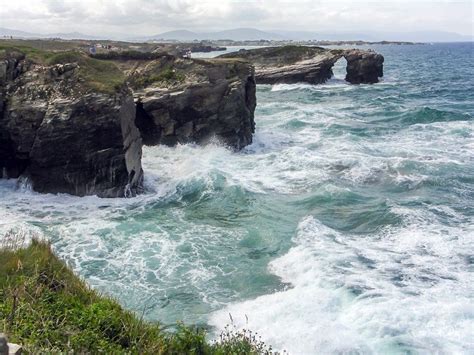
(347,226)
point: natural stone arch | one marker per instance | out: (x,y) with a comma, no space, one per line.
(313,65)
(339,69)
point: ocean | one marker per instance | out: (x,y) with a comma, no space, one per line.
(346,227)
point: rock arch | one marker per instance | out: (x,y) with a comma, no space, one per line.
(313,65)
(68,138)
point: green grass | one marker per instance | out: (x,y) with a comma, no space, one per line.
(42,44)
(100,75)
(166,75)
(283,54)
(34,54)
(46,308)
(292,50)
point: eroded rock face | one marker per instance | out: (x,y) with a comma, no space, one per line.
(199,100)
(313,65)
(10,68)
(67,139)
(68,136)
(289,64)
(363,67)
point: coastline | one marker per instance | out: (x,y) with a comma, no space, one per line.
(47,308)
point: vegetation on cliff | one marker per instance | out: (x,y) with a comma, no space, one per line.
(99,75)
(276,56)
(45,307)
(128,55)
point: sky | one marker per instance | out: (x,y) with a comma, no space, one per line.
(150,17)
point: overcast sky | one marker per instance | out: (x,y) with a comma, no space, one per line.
(148,17)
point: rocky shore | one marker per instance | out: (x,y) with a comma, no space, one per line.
(313,65)
(74,124)
(66,132)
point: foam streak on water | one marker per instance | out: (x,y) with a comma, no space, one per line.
(346,227)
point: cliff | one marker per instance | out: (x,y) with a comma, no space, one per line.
(75,124)
(68,124)
(180,101)
(313,65)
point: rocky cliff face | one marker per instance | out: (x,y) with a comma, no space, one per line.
(65,136)
(72,124)
(10,69)
(363,67)
(181,101)
(313,65)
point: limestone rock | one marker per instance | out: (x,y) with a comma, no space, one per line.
(72,128)
(196,101)
(313,65)
(67,138)
(14,349)
(363,67)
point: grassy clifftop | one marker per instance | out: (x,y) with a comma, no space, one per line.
(45,307)
(100,75)
(283,55)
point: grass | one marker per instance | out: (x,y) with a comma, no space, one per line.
(46,308)
(42,44)
(281,54)
(293,50)
(34,54)
(169,75)
(100,75)
(166,75)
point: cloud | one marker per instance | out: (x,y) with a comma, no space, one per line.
(140,17)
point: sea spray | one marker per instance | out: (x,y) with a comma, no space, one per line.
(347,226)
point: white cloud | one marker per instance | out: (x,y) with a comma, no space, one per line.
(153,16)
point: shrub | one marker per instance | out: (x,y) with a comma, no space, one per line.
(127,55)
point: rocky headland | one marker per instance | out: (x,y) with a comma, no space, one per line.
(75,124)
(67,123)
(180,101)
(313,65)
